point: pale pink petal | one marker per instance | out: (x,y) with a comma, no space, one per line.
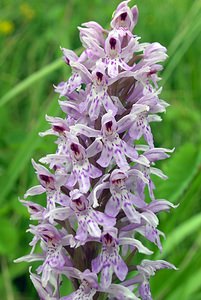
(35,190)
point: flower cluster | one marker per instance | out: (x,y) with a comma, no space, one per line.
(95,184)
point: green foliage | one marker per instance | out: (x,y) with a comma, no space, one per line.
(9,237)
(182,226)
(31,64)
(181,169)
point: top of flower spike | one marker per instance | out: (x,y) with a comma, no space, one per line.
(124,16)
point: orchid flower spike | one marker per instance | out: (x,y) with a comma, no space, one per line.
(95,182)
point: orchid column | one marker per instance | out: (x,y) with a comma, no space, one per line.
(96,179)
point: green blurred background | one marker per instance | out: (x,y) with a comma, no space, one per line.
(31,33)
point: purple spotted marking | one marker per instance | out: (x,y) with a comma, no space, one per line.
(123,16)
(99,76)
(113,43)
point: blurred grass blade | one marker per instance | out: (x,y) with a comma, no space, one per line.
(184,27)
(24,153)
(186,289)
(22,86)
(7,279)
(191,35)
(32,141)
(179,234)
(30,80)
(180,171)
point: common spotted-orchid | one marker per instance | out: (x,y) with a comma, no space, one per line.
(96,208)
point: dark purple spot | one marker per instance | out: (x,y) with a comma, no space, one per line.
(113,43)
(47,237)
(78,201)
(117,151)
(99,76)
(64,190)
(45,178)
(108,126)
(116,181)
(123,16)
(80,205)
(34,208)
(58,129)
(108,238)
(67,61)
(75,148)
(55,167)
(151,72)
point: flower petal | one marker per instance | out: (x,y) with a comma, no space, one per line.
(102,219)
(30,258)
(35,190)
(135,243)
(131,212)
(113,206)
(121,292)
(120,269)
(84,182)
(94,172)
(106,276)
(96,264)
(106,156)
(93,229)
